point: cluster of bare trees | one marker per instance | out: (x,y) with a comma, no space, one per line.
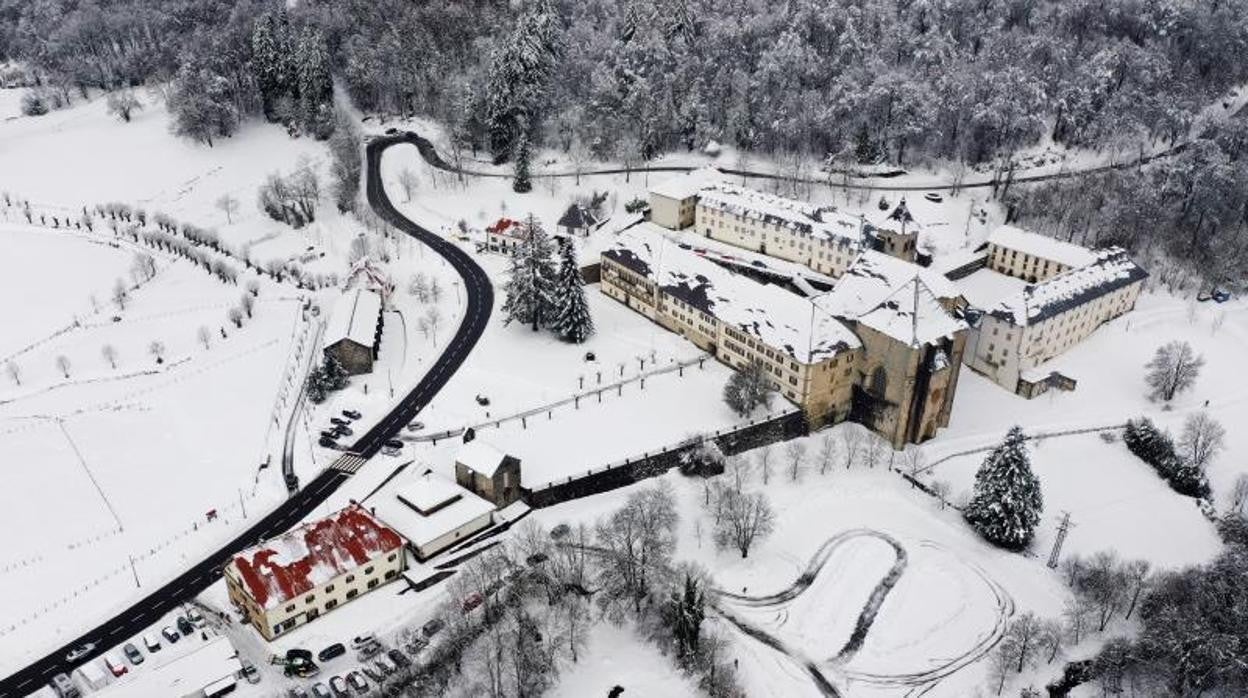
(521,611)
(292,198)
(427,289)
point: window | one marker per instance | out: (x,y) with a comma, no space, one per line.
(368,570)
(351,593)
(372,583)
(329,588)
(310,599)
(393,555)
(390,574)
(290,608)
(329,605)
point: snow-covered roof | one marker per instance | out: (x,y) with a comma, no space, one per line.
(1042,246)
(428,506)
(479,456)
(779,319)
(823,222)
(306,557)
(577,216)
(354,317)
(1109,271)
(184,675)
(895,297)
(687,185)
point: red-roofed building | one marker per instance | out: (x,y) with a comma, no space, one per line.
(290,580)
(503,235)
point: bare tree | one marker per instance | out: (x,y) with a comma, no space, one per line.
(1025,632)
(236,316)
(1051,639)
(940,488)
(120,294)
(429,322)
(1202,439)
(228,205)
(248,303)
(874,450)
(738,471)
(62,365)
(157,350)
(205,337)
(852,437)
(435,290)
(795,452)
(1001,661)
(1239,494)
(123,103)
(914,460)
(1173,369)
(637,542)
(15,373)
(1103,584)
(110,355)
(253,287)
(747,517)
(1138,574)
(827,452)
(1078,617)
(408,182)
(763,458)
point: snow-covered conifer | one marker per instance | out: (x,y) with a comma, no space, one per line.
(572,321)
(1006,504)
(530,278)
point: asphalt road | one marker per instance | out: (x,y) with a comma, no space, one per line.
(138,617)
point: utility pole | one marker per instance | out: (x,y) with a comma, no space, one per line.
(1062,528)
(135,572)
(242,505)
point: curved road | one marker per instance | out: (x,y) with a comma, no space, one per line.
(139,616)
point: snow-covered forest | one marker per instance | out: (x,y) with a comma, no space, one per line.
(847,82)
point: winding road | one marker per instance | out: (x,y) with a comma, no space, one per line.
(139,616)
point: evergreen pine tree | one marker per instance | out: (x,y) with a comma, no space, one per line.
(1006,505)
(316,385)
(265,63)
(684,614)
(335,375)
(572,321)
(530,278)
(522,183)
(315,85)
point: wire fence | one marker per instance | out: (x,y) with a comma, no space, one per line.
(575,400)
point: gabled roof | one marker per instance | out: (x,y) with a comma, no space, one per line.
(687,185)
(895,297)
(354,317)
(503,226)
(901,214)
(302,559)
(779,319)
(578,216)
(1042,246)
(817,222)
(1111,270)
(480,457)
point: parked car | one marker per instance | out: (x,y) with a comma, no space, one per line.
(196,618)
(327,443)
(114,664)
(471,601)
(483,401)
(415,426)
(249,671)
(384,665)
(151,642)
(933,197)
(79,652)
(64,687)
(298,692)
(359,641)
(432,627)
(339,685)
(170,634)
(392,452)
(368,651)
(393,443)
(415,645)
(335,650)
(343,431)
(327,434)
(320,690)
(185,627)
(338,421)
(132,653)
(351,414)
(399,659)
(357,681)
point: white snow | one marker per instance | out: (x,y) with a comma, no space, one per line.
(985,288)
(354,317)
(615,656)
(1043,246)
(423,507)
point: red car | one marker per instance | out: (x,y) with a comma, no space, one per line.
(472,601)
